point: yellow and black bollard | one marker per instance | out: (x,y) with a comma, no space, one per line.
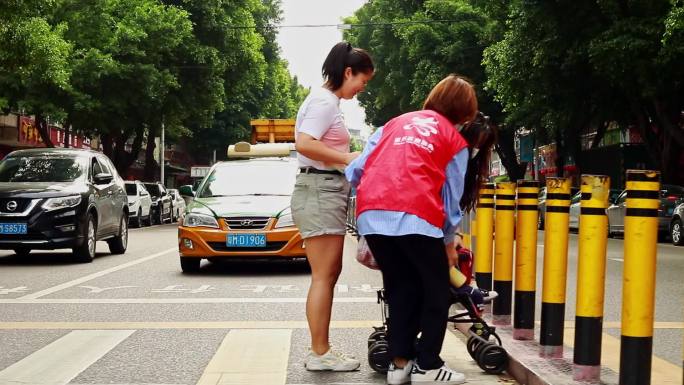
(639,274)
(504,228)
(484,228)
(591,272)
(526,259)
(555,266)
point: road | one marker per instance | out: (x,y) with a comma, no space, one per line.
(136,319)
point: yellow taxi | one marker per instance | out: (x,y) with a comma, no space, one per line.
(241,209)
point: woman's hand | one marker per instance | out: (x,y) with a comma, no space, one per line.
(351,156)
(452,254)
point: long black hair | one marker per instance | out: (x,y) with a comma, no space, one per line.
(480,134)
(341,56)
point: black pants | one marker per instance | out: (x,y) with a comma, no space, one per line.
(415,272)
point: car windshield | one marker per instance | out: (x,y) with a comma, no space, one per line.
(250,178)
(131,189)
(153,189)
(42,168)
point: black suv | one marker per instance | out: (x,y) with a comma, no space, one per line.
(53,198)
(161,203)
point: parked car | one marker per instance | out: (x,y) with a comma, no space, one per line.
(669,196)
(177,204)
(54,198)
(161,202)
(575,204)
(241,210)
(139,203)
(677,225)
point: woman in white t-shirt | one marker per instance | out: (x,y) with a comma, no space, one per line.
(319,201)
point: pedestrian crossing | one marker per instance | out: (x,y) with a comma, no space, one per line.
(267,356)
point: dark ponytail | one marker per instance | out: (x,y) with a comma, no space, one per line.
(481,133)
(341,56)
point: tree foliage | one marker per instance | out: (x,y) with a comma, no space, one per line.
(559,68)
(119,69)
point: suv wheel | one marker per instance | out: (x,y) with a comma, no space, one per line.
(190,264)
(86,252)
(676,232)
(118,244)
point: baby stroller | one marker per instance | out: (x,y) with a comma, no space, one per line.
(490,356)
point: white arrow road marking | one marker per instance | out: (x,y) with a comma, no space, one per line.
(96,290)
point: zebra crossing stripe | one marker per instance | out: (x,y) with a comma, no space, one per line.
(250,356)
(62,360)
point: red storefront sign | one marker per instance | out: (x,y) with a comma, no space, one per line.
(30,136)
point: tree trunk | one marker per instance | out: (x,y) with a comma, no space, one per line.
(150,163)
(43,130)
(107,147)
(600,133)
(67,132)
(509,159)
(560,153)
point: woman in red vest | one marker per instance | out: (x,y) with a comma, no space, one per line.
(413,179)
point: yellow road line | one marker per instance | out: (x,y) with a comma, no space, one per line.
(662,372)
(181,325)
(250,357)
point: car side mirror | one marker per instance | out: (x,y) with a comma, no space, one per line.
(186,191)
(103,178)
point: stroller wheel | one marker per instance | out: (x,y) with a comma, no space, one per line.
(377,335)
(378,356)
(472,345)
(491,358)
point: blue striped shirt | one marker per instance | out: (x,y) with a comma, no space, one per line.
(397,223)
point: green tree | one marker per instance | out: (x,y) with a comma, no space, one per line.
(34,61)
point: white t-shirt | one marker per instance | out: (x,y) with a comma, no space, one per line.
(320,116)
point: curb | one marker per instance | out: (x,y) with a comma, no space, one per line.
(528,368)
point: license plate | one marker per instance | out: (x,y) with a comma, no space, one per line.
(13,228)
(246,240)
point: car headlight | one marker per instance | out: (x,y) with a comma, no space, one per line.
(285,219)
(62,202)
(200,220)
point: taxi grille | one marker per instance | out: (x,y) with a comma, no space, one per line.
(270,246)
(247,223)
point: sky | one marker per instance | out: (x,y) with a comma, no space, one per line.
(305,49)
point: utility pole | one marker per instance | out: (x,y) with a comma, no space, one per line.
(161,155)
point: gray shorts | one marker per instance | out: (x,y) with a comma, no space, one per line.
(319,204)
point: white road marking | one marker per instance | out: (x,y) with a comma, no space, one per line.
(18,289)
(617,259)
(89,277)
(257,356)
(83,301)
(63,360)
(97,290)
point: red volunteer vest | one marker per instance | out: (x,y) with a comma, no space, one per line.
(407,168)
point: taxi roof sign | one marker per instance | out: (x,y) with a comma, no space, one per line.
(273,130)
(246,150)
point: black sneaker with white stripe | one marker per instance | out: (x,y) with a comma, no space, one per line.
(443,375)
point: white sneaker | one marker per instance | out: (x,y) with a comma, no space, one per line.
(441,376)
(399,376)
(332,360)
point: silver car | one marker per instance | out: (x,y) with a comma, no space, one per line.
(669,194)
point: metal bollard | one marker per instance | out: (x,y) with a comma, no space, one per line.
(639,274)
(591,272)
(504,228)
(484,221)
(526,259)
(555,267)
